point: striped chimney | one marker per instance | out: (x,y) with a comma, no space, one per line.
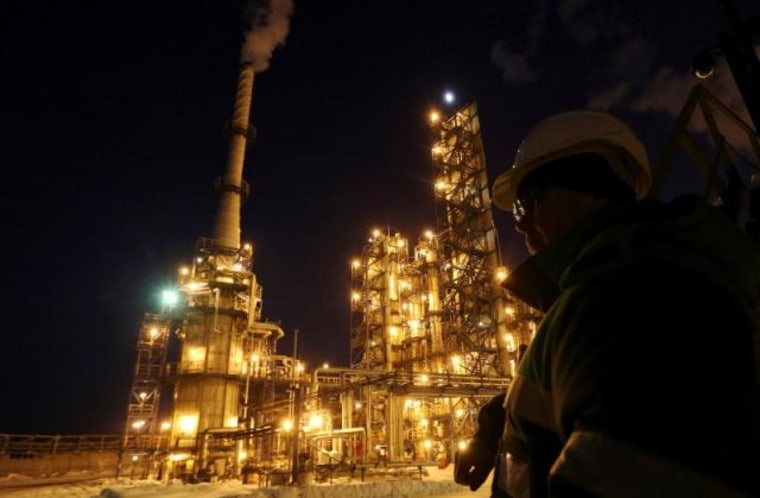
(232,188)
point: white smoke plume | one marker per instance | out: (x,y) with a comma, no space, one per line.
(269,26)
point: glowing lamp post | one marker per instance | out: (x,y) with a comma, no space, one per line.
(169,298)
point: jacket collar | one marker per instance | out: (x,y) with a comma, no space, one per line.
(537,280)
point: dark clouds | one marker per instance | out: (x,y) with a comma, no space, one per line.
(621,56)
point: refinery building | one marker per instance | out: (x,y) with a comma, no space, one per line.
(433,336)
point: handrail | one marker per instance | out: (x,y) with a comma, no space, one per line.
(51,444)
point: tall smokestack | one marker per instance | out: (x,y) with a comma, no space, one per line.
(269,22)
(231,186)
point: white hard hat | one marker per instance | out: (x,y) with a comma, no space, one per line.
(572,133)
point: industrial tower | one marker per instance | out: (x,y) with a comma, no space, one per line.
(434,317)
(227,376)
(439,306)
(479,318)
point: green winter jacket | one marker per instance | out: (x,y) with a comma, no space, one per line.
(645,362)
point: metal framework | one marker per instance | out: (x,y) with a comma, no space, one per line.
(730,161)
(724,156)
(479,318)
(434,334)
(145,394)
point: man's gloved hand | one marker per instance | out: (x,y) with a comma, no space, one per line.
(472,465)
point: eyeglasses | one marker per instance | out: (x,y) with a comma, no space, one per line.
(526,202)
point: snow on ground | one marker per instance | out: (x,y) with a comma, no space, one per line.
(438,483)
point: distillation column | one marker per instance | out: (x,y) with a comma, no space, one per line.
(223,299)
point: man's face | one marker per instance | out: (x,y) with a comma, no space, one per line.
(546,214)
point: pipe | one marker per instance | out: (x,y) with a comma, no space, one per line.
(268,328)
(335,433)
(231,186)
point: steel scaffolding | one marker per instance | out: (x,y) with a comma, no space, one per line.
(434,317)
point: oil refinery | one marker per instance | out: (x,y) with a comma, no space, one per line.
(433,336)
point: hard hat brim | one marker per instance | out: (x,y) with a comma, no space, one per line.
(505,188)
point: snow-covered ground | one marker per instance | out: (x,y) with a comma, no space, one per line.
(438,483)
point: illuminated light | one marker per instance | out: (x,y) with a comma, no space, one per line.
(153,332)
(242,456)
(358,405)
(427,444)
(437,150)
(143,395)
(462,445)
(414,324)
(448,97)
(459,412)
(392,331)
(510,310)
(502,273)
(299,367)
(169,298)
(434,116)
(176,457)
(316,421)
(408,403)
(165,426)
(286,425)
(184,270)
(376,233)
(237,266)
(373,343)
(325,365)
(135,458)
(255,358)
(509,339)
(188,423)
(441,185)
(356,263)
(199,260)
(429,234)
(196,354)
(355,296)
(247,247)
(424,379)
(456,361)
(138,424)
(195,285)
(231,421)
(424,422)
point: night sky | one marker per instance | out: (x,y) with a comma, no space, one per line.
(113,132)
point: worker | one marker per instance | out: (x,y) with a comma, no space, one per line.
(642,378)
